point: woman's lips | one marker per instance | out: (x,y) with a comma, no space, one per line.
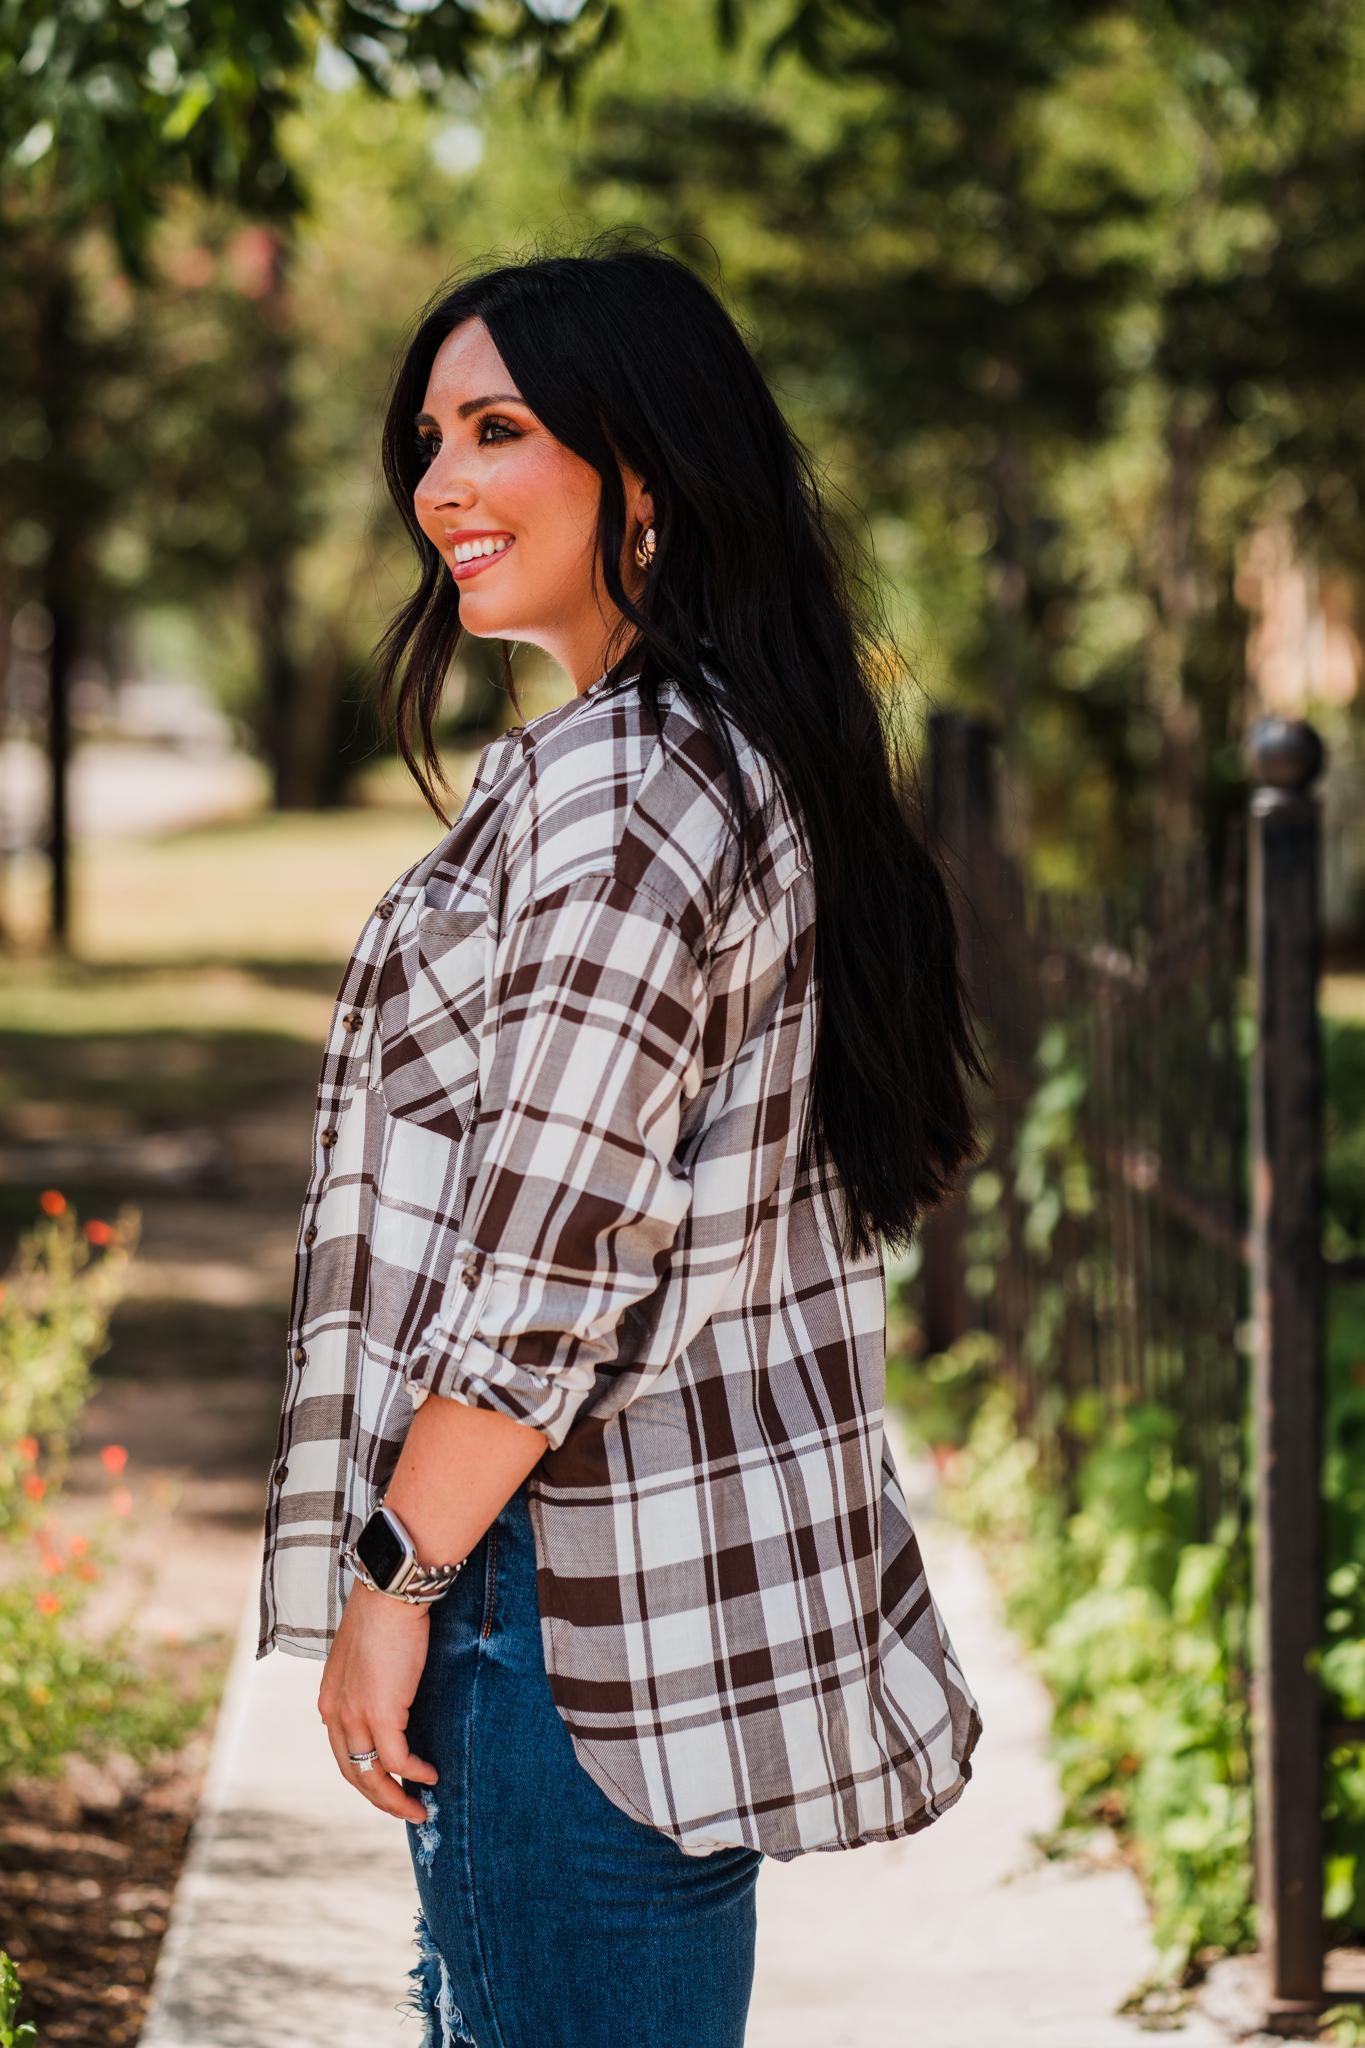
(462,571)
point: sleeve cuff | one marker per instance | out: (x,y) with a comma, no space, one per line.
(452,1360)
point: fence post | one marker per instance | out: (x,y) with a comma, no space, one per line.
(961,793)
(1283,757)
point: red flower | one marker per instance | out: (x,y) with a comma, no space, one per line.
(113,1457)
(34,1486)
(27,1448)
(51,1203)
(48,1603)
(100,1232)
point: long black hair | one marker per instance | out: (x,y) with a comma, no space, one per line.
(625,354)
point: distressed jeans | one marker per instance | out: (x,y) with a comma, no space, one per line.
(548,1917)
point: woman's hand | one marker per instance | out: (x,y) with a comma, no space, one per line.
(368,1683)
(458,1468)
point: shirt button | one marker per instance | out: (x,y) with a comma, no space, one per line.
(329,1136)
(386,908)
(281,1474)
(300,1355)
(469,1277)
(310,1236)
(352,1021)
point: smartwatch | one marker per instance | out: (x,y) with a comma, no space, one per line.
(383,1557)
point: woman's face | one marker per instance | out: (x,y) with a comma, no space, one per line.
(494,474)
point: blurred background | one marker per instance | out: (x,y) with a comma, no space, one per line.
(1068,303)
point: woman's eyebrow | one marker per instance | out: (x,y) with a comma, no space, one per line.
(424,419)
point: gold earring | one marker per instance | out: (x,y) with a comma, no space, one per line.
(644,548)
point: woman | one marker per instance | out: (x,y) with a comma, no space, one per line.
(581,1487)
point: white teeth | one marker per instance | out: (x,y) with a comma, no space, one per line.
(469,550)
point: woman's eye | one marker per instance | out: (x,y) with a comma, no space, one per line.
(492,430)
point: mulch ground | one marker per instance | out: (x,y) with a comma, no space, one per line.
(88,1865)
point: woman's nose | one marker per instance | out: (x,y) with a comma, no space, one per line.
(442,489)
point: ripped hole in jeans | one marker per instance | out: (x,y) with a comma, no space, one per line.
(433,1996)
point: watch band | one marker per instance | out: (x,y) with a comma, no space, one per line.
(424,1583)
(415,1583)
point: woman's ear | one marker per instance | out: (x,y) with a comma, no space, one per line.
(640,504)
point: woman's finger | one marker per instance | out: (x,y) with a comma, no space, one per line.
(395,1756)
(341,1745)
(375,1784)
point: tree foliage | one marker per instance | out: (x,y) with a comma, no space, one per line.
(111,106)
(1074,297)
(1066,303)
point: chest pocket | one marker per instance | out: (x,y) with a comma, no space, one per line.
(430,1004)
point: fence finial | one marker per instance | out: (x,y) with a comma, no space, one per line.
(1282,754)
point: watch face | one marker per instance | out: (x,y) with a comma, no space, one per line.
(379,1548)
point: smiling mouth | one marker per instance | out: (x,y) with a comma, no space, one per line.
(462,571)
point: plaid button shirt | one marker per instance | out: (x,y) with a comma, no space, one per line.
(554,1175)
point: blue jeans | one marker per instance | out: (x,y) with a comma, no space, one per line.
(548,1917)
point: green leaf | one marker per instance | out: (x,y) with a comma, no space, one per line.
(187,111)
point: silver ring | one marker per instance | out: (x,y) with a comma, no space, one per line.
(365,1761)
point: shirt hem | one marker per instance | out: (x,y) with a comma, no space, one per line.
(278,1640)
(929,1811)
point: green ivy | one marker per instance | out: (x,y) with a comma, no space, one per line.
(1137,1630)
(14,2033)
(1085,1512)
(1139,1627)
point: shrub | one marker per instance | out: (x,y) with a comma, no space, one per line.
(55,1306)
(14,2033)
(61,1690)
(1138,1631)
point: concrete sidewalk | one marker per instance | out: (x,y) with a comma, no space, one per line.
(293,1919)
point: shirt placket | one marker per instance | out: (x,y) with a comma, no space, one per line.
(355,1011)
(358,1014)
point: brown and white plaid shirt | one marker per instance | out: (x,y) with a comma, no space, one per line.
(555,1176)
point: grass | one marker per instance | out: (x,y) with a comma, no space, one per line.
(267,889)
(203,969)
(191,946)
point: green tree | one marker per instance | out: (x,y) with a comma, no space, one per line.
(106,112)
(1116,278)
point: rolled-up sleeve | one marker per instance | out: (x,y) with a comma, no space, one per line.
(592,1049)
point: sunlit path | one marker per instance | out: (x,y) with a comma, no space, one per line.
(962,1936)
(294,1915)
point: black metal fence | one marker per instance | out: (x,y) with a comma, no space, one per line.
(1155,1131)
(1137,1236)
